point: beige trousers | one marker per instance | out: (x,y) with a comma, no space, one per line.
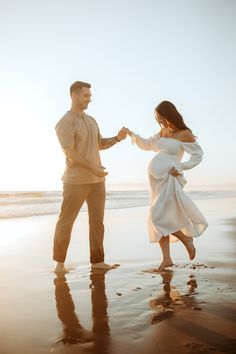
(74,195)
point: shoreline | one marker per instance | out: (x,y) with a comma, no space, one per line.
(27,204)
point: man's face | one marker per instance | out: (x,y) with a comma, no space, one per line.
(82,97)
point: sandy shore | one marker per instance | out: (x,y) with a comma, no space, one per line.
(188,309)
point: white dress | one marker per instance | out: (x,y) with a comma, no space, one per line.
(171,209)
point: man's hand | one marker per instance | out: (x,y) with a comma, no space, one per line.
(122,134)
(129,132)
(98,171)
(70,162)
(174,172)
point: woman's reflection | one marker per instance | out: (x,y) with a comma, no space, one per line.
(74,332)
(171,300)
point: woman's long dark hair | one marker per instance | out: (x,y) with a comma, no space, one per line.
(168,111)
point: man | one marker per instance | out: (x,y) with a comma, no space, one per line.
(84,177)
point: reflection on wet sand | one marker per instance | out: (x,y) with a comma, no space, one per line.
(137,328)
(74,332)
(171,300)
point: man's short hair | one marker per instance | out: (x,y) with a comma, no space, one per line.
(77,85)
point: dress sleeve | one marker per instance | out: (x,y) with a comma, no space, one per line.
(195,152)
(146,144)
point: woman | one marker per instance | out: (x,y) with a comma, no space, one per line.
(173,216)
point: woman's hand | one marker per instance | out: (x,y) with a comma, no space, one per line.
(174,172)
(129,132)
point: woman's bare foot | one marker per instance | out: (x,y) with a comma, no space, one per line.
(190,247)
(165,263)
(188,243)
(103,265)
(60,269)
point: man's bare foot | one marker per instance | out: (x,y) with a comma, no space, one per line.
(190,248)
(60,269)
(163,265)
(103,265)
(77,335)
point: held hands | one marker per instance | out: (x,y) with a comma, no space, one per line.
(122,134)
(98,170)
(129,132)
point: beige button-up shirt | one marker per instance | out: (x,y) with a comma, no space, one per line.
(82,135)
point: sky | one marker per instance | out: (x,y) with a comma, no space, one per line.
(135,54)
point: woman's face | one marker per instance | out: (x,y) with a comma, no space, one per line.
(161,120)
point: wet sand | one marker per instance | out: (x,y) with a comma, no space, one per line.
(190,308)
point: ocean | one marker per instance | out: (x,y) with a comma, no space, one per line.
(23,204)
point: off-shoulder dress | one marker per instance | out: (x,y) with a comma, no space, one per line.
(171,208)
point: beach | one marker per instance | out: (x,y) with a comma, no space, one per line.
(189,308)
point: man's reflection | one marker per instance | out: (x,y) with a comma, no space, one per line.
(171,300)
(74,332)
(101,328)
(99,303)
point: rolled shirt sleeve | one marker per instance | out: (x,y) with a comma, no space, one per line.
(66,134)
